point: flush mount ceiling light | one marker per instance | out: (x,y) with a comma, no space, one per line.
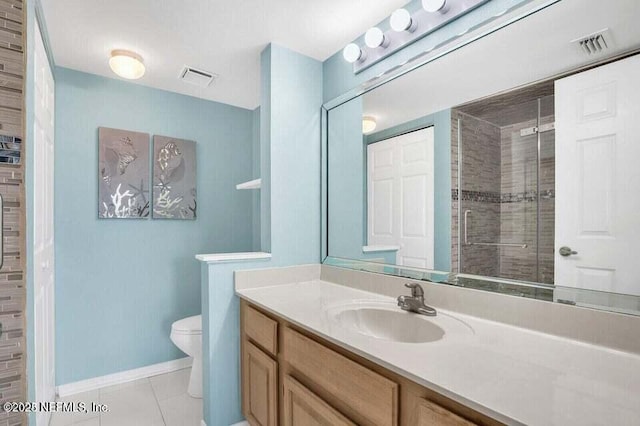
(368,124)
(401,21)
(352,53)
(432,6)
(406,28)
(374,37)
(127,64)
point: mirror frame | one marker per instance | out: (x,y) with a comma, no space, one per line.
(511,287)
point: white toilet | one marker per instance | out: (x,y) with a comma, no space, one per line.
(187,336)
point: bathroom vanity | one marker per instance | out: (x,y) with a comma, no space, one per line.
(335,349)
(301,378)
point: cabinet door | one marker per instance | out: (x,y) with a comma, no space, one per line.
(303,408)
(259,387)
(431,414)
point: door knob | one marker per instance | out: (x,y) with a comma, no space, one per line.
(566,251)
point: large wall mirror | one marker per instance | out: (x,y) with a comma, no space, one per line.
(509,164)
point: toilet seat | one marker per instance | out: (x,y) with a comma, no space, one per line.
(190,325)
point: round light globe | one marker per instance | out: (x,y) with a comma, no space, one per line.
(401,20)
(352,53)
(127,64)
(374,37)
(368,124)
(432,6)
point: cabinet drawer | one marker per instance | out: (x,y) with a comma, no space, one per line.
(429,413)
(261,329)
(365,396)
(303,407)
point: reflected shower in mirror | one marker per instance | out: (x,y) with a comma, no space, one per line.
(509,168)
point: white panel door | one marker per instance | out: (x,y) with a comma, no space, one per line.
(43,229)
(400,197)
(597,178)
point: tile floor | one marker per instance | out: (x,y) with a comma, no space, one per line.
(157,401)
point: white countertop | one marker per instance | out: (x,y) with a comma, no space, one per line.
(512,374)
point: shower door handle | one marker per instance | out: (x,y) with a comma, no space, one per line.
(466,235)
(566,251)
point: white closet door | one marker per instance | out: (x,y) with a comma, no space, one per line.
(43,229)
(597,178)
(400,197)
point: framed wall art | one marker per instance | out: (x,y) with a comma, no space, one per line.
(123,158)
(174,178)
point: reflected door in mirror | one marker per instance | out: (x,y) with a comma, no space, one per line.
(400,207)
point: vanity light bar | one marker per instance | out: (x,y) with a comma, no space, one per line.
(405,29)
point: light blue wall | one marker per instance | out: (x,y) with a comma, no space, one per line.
(338,74)
(346,180)
(121,283)
(347,184)
(346,177)
(255,169)
(291,99)
(265,150)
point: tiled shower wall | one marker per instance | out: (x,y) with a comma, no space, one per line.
(499,186)
(12,280)
(480,194)
(518,209)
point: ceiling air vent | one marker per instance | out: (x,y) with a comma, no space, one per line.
(594,43)
(197,77)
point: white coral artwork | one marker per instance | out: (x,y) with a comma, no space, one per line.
(164,205)
(122,205)
(123,174)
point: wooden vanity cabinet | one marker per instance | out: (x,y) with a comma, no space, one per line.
(292,377)
(259,386)
(303,407)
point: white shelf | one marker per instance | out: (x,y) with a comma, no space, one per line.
(232,257)
(375,249)
(252,184)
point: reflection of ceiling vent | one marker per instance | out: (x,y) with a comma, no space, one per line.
(594,43)
(197,77)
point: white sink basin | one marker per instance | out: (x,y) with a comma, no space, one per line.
(385,321)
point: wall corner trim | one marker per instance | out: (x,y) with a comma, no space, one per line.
(123,377)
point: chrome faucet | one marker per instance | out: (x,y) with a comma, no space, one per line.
(415,302)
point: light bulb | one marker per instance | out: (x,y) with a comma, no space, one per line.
(126,64)
(432,6)
(352,53)
(368,124)
(401,21)
(374,37)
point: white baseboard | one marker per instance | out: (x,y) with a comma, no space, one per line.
(243,423)
(123,377)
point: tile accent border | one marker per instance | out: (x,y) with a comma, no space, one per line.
(508,197)
(123,377)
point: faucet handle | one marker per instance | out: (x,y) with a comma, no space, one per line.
(416,289)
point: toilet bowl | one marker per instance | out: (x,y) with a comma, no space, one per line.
(186,334)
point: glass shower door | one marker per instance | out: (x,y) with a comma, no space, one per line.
(498,197)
